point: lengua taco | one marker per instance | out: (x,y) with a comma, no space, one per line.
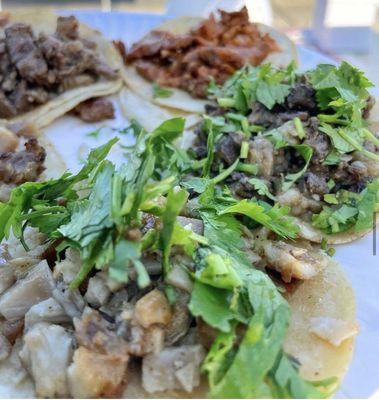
(49,65)
(120,282)
(299,140)
(173,65)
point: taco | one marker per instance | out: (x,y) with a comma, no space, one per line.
(174,64)
(124,285)
(49,65)
(303,141)
(25,160)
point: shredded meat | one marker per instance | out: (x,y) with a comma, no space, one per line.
(22,166)
(35,69)
(95,110)
(215,50)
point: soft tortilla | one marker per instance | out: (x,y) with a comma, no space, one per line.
(150,115)
(43,115)
(182,100)
(329,294)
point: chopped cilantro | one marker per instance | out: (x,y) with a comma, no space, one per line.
(159,91)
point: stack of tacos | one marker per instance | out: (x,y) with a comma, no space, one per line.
(202,266)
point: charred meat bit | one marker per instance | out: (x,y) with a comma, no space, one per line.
(24,53)
(215,49)
(22,166)
(95,110)
(302,97)
(68,28)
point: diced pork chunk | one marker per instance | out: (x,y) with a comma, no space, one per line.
(36,286)
(292,261)
(153,308)
(69,267)
(5,348)
(101,360)
(261,152)
(298,203)
(47,353)
(142,341)
(15,381)
(181,319)
(46,311)
(93,375)
(97,292)
(70,299)
(94,333)
(7,277)
(333,330)
(173,368)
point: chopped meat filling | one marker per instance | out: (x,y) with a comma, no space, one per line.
(22,166)
(35,69)
(95,110)
(215,50)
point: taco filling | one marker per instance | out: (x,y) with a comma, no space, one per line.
(34,69)
(116,280)
(213,50)
(301,140)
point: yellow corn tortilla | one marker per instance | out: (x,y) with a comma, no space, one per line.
(182,100)
(43,115)
(328,294)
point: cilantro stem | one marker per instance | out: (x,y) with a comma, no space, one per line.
(244,149)
(358,146)
(225,102)
(370,136)
(224,174)
(299,127)
(332,119)
(255,128)
(143,278)
(248,168)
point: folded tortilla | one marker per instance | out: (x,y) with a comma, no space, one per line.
(41,116)
(182,100)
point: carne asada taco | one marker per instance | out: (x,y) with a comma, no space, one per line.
(136,287)
(301,140)
(50,64)
(173,65)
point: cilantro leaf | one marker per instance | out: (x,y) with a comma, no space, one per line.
(274,218)
(175,202)
(159,91)
(212,305)
(261,187)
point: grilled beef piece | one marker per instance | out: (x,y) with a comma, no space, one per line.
(95,110)
(317,140)
(7,110)
(67,28)
(215,49)
(302,97)
(260,115)
(25,54)
(228,148)
(22,166)
(25,96)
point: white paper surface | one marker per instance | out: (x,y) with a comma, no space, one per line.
(362,267)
